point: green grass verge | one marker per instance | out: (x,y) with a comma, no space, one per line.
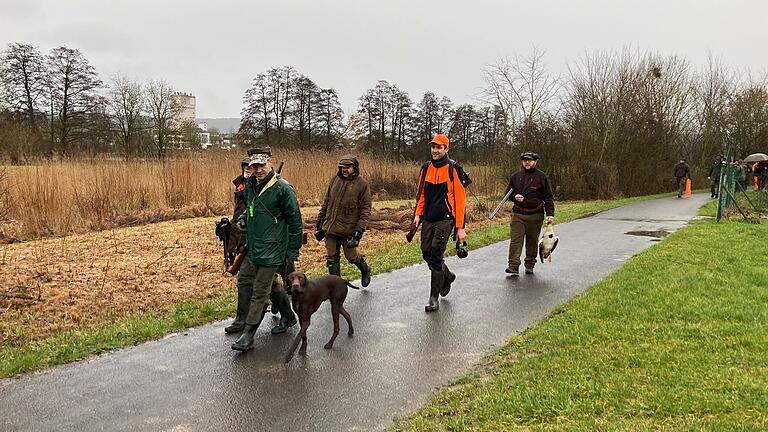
(75,345)
(677,339)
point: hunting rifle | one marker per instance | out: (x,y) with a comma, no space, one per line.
(498,207)
(414,227)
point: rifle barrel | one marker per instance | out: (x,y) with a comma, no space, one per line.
(498,207)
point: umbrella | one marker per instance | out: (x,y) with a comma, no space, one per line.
(756,157)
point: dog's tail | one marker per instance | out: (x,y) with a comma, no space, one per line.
(351,286)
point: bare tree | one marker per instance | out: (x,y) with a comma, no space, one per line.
(24,87)
(523,88)
(331,118)
(127,106)
(714,91)
(749,116)
(281,83)
(73,84)
(162,109)
(257,113)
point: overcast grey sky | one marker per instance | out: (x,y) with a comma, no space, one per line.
(213,49)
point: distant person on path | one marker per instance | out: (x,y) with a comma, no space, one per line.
(273,225)
(441,205)
(533,199)
(682,173)
(761,172)
(344,218)
(714,177)
(743,172)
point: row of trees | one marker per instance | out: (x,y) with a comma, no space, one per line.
(56,103)
(389,123)
(614,124)
(287,109)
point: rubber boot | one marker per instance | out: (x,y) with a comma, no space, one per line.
(365,272)
(449,278)
(243,304)
(437,281)
(245,341)
(334,268)
(287,317)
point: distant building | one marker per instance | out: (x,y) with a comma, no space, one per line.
(185,113)
(204,136)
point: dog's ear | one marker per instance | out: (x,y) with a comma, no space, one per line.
(303,280)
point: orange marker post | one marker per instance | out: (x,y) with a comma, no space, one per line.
(687,188)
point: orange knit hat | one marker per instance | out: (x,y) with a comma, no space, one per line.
(440,139)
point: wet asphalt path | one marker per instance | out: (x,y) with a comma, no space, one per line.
(193,381)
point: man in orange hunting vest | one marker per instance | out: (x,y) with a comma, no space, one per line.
(440,207)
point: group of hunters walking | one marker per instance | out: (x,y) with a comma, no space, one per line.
(268,228)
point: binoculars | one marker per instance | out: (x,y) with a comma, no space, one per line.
(461,249)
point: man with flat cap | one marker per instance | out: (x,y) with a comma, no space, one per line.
(533,199)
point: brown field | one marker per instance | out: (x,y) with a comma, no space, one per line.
(83,280)
(69,197)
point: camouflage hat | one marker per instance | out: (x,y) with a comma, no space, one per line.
(258,159)
(259,150)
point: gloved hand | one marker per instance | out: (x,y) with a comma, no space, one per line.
(320,235)
(289,266)
(357,234)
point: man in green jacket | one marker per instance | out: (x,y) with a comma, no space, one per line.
(344,217)
(273,227)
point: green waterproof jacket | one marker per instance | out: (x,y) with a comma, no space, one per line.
(273,223)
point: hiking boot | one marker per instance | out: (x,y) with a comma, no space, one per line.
(365,273)
(243,305)
(433,305)
(449,278)
(529,270)
(334,268)
(284,324)
(281,303)
(245,341)
(237,325)
(513,271)
(436,285)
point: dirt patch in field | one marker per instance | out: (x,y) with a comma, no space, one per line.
(79,281)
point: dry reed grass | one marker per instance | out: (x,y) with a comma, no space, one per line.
(77,196)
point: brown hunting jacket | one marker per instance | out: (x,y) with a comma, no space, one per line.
(347,204)
(536,189)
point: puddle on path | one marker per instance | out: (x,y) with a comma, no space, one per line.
(658,234)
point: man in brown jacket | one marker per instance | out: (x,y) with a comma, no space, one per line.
(344,217)
(532,199)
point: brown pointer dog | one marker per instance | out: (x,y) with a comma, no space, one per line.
(307,295)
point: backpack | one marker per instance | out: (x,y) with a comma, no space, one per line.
(452,165)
